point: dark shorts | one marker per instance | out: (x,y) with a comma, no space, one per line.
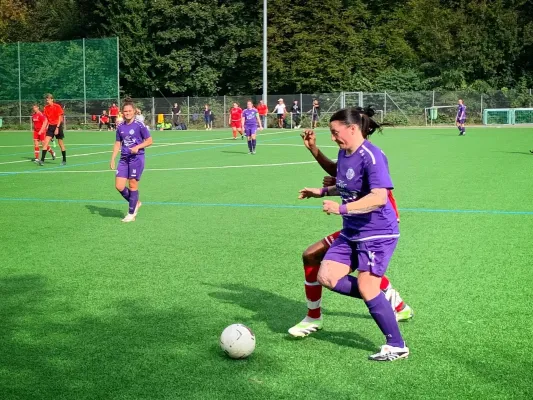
(372,256)
(281,116)
(460,121)
(113,119)
(250,130)
(315,117)
(131,168)
(51,132)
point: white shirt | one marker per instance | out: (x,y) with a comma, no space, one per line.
(280,108)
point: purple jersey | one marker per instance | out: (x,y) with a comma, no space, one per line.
(250,117)
(131,135)
(461,112)
(357,174)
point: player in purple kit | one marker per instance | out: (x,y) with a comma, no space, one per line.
(370,230)
(460,119)
(251,121)
(131,140)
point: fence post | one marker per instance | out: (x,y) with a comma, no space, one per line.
(343,100)
(20,89)
(361,99)
(84,85)
(188,112)
(433,101)
(385,106)
(481,106)
(153,113)
(224,113)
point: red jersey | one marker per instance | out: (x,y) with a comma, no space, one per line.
(38,120)
(236,114)
(393,204)
(113,111)
(52,113)
(262,109)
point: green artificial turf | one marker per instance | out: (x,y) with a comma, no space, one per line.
(92,308)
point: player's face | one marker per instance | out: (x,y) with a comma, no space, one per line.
(129,112)
(35,109)
(235,105)
(460,102)
(49,101)
(249,105)
(343,135)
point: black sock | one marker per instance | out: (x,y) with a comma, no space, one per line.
(64,152)
(43,155)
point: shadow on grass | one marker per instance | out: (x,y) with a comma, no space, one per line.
(106,212)
(280,313)
(528,153)
(234,152)
(127,349)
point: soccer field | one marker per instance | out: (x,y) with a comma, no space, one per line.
(92,308)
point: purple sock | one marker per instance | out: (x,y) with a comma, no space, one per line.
(253,144)
(134,197)
(125,193)
(382,313)
(348,287)
(250,145)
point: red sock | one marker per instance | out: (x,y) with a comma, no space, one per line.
(36,151)
(384,283)
(313,291)
(49,149)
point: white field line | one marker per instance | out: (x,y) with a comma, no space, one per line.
(64,171)
(155,145)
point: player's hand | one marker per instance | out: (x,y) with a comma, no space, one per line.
(307,193)
(56,132)
(134,150)
(309,138)
(330,207)
(329,181)
(112,164)
(260,128)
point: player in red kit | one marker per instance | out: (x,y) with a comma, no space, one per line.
(54,128)
(113,114)
(39,130)
(235,120)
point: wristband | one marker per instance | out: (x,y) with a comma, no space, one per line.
(343,209)
(323,191)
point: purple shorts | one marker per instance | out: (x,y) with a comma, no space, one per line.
(131,168)
(372,256)
(460,121)
(250,130)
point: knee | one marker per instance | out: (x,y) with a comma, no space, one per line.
(120,186)
(326,279)
(309,258)
(133,185)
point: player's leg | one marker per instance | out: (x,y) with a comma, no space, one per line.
(50,133)
(60,141)
(458,125)
(135,170)
(36,148)
(247,132)
(463,130)
(253,136)
(373,258)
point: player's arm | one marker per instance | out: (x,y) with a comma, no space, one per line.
(147,143)
(242,121)
(307,193)
(258,120)
(44,126)
(116,149)
(327,165)
(375,199)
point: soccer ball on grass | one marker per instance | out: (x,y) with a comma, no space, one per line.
(237,341)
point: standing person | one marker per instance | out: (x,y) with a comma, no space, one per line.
(104,120)
(370,230)
(235,120)
(315,114)
(296,114)
(460,119)
(251,121)
(280,111)
(131,139)
(176,112)
(113,114)
(39,130)
(262,108)
(139,115)
(54,115)
(208,118)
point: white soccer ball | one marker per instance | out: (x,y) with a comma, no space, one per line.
(237,341)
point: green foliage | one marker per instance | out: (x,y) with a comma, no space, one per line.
(203,48)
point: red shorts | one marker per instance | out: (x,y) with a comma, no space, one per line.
(328,240)
(236,124)
(40,137)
